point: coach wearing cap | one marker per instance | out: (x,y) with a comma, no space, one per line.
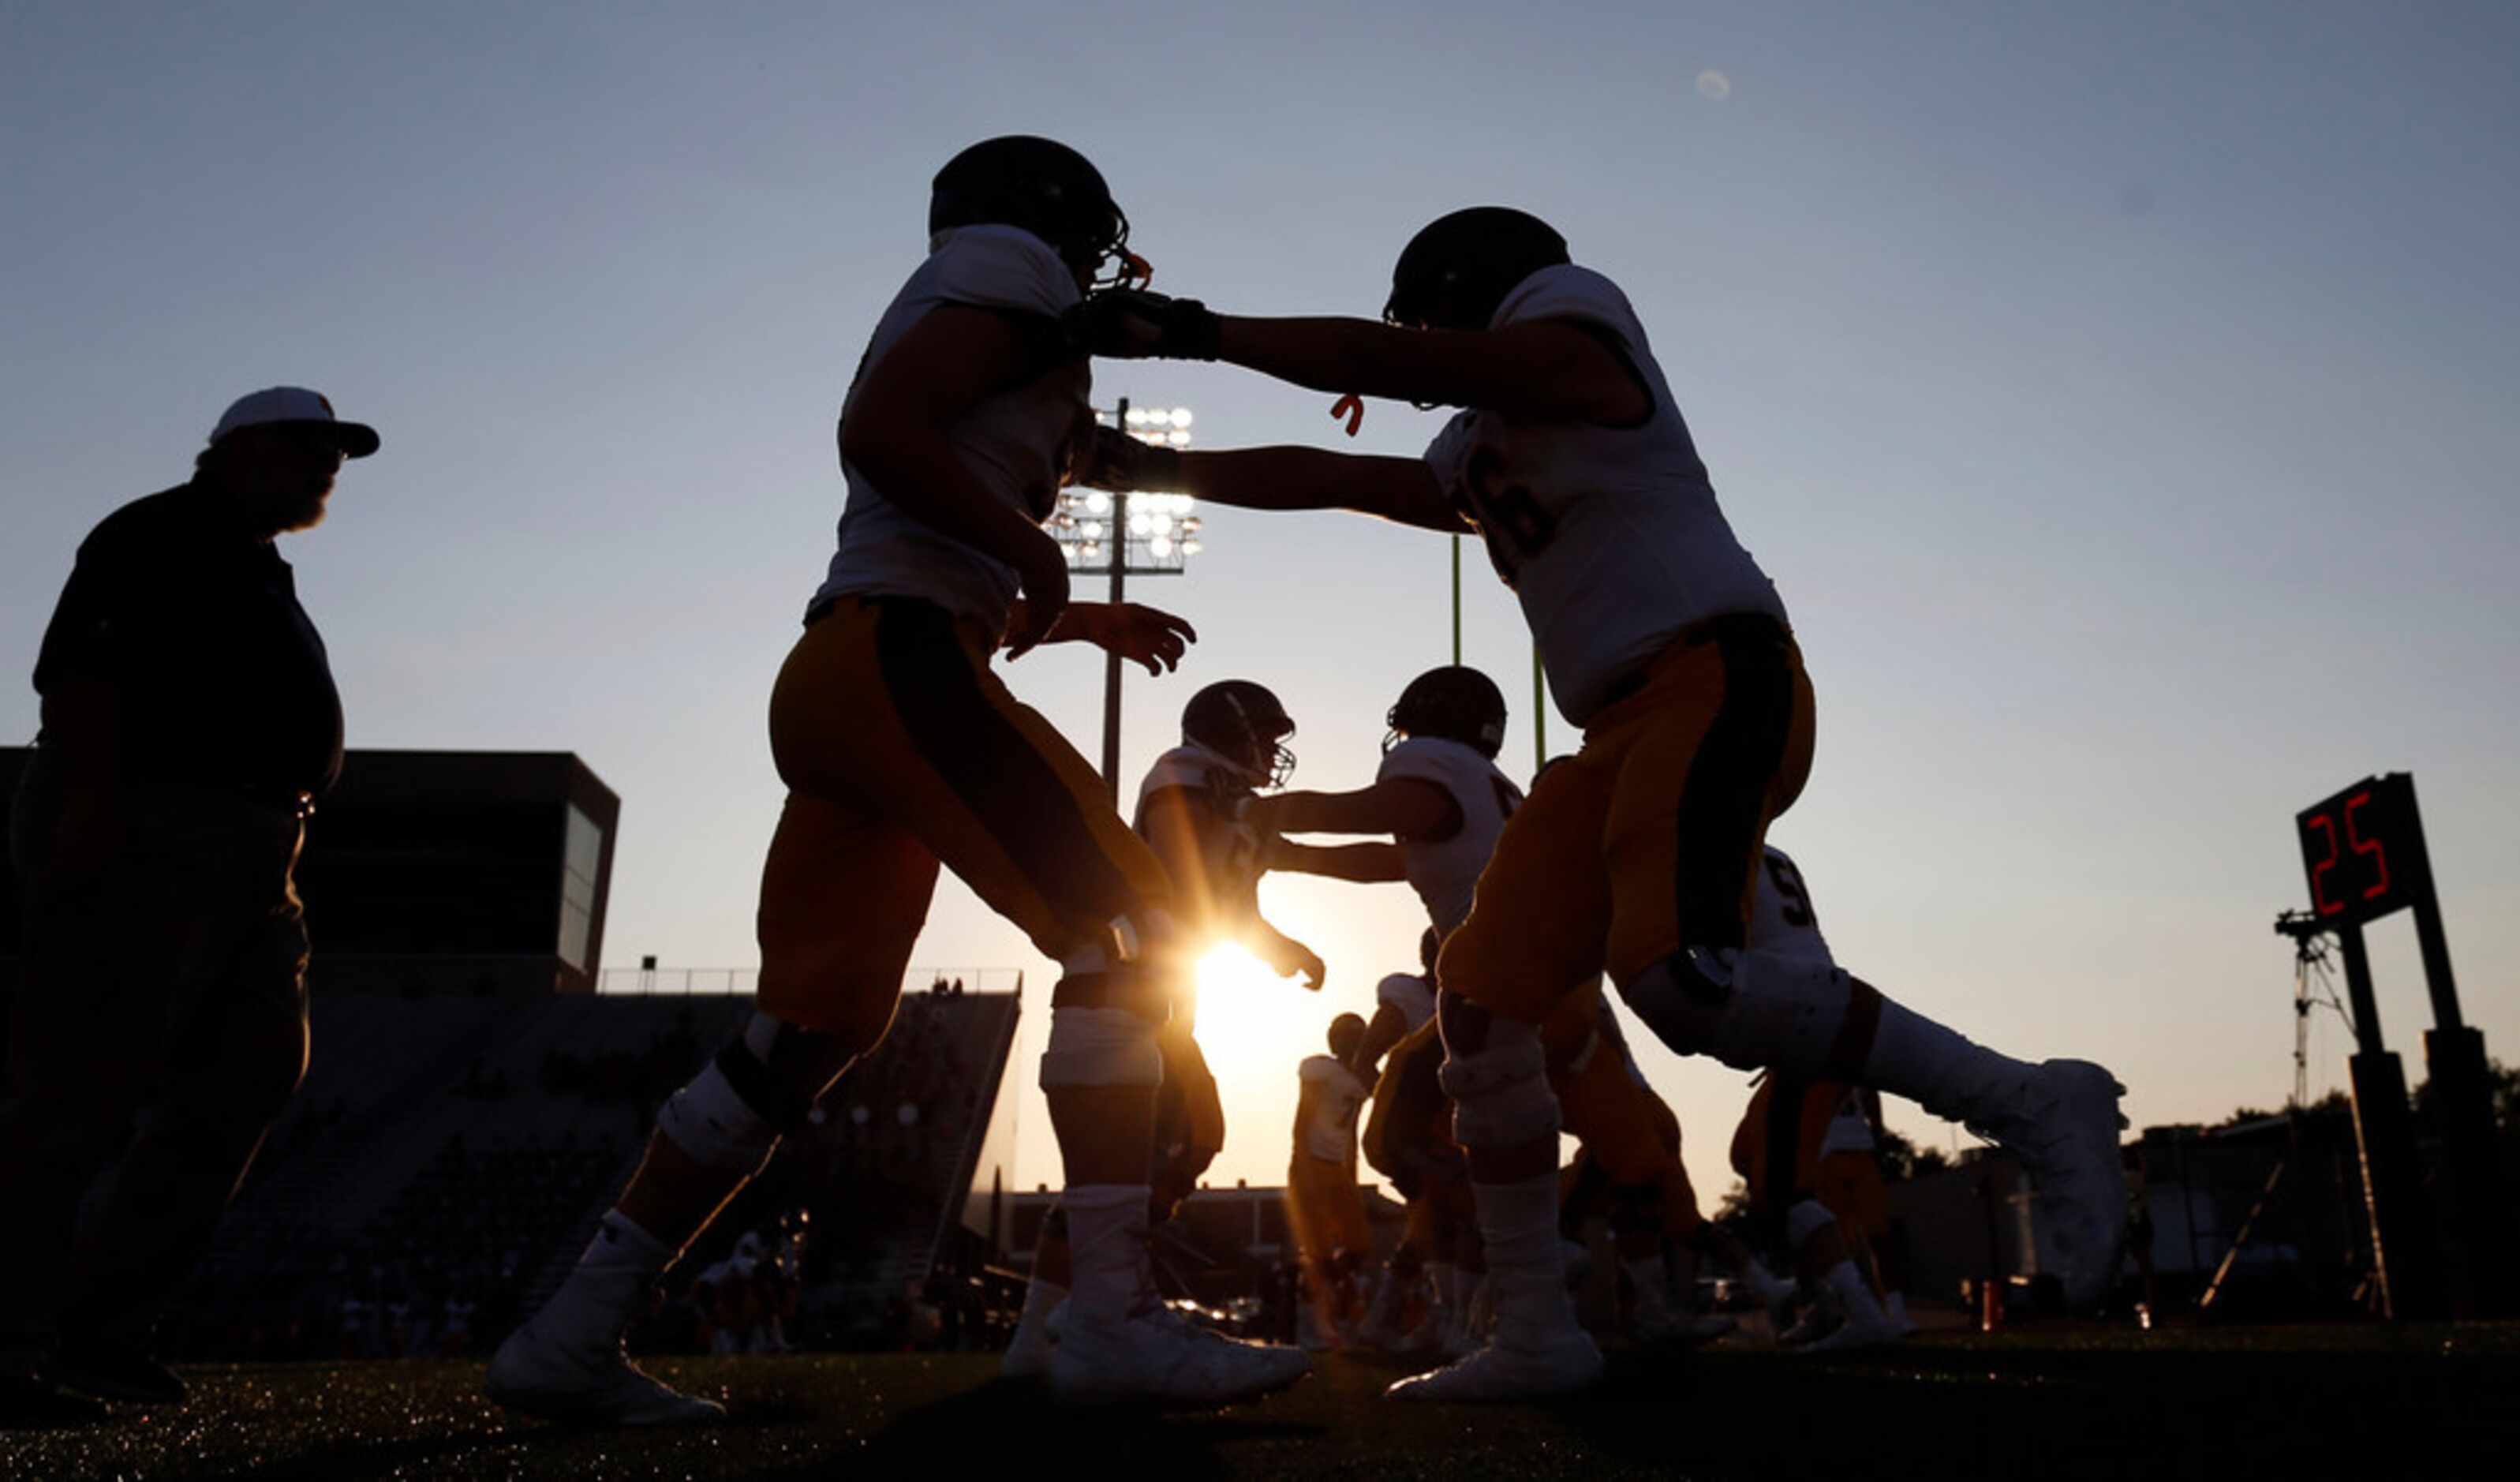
(190,724)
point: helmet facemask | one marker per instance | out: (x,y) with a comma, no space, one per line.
(1245,725)
(1101,252)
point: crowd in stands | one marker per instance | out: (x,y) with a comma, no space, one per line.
(447,1264)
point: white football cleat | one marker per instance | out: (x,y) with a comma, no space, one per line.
(1473,1323)
(554,1381)
(1157,1358)
(1861,1328)
(1818,1321)
(1027,1355)
(1496,1374)
(1431,1334)
(2066,1133)
(1691,1327)
(1777,1296)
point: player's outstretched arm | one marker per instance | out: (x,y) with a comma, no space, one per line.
(1388,1027)
(895,434)
(1400,489)
(1286,955)
(1360,864)
(1542,371)
(1552,370)
(1138,633)
(1405,807)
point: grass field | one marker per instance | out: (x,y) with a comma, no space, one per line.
(2050,1403)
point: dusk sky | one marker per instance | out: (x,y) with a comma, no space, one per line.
(2123,398)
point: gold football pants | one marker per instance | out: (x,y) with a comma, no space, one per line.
(901,751)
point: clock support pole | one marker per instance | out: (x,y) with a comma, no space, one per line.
(2403,1250)
(2463,1109)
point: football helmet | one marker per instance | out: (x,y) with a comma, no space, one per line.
(1346,1033)
(1244,723)
(1045,188)
(1458,269)
(1455,702)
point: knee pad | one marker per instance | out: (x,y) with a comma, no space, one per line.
(1099,1047)
(1500,1091)
(1752,1010)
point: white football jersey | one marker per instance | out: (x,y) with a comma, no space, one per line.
(1409,993)
(1201,769)
(1230,852)
(1445,873)
(1334,1095)
(1609,536)
(1781,919)
(1015,442)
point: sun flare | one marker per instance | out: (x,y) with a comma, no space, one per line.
(1252,1023)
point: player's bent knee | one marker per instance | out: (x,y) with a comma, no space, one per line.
(1099,1047)
(1683,999)
(840,1008)
(264,1082)
(1500,1091)
(1462,1023)
(1752,1010)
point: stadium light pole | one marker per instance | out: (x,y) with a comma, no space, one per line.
(1457,601)
(1101,534)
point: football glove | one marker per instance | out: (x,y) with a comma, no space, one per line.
(1132,323)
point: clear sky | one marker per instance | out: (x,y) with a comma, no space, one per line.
(2123,397)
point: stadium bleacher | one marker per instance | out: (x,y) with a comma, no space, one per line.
(447,1157)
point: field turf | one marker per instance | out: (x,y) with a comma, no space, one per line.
(2050,1403)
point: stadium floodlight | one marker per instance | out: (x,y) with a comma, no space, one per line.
(1119,535)
(1112,534)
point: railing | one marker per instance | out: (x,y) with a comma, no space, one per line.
(677,981)
(682,981)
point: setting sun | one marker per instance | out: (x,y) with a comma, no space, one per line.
(1253,1025)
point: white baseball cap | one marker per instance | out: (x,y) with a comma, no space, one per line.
(296,404)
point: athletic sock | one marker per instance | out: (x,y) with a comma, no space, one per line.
(1526,1275)
(1946,1072)
(606,1286)
(1107,1243)
(619,1241)
(1767,1284)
